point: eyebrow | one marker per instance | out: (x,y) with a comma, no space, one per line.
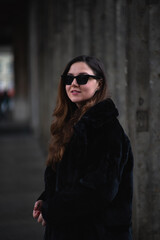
(81,73)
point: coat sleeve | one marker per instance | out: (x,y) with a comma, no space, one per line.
(50,182)
(42,196)
(95,189)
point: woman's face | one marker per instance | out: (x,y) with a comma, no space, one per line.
(81,93)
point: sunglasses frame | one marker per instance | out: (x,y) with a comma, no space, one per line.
(79,78)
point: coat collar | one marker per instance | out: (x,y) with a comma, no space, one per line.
(99,114)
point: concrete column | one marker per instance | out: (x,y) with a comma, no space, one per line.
(132,104)
(21,110)
(154,125)
(44,81)
(143,104)
(33,68)
(120,87)
(82,31)
(98,16)
(109,44)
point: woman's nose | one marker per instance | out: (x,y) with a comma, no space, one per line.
(74,82)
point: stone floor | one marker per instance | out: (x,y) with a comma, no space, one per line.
(22,166)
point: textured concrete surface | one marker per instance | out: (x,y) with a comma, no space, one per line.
(126,36)
(21,181)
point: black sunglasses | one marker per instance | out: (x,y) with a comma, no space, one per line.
(81,79)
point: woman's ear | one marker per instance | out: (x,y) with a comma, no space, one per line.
(99,84)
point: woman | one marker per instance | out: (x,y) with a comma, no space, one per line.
(88,179)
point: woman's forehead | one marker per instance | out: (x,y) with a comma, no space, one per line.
(80,67)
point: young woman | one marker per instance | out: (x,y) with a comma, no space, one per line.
(88,178)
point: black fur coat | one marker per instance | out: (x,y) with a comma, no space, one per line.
(89,197)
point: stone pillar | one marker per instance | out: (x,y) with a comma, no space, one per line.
(21,109)
(44,74)
(154,125)
(143,109)
(121,86)
(109,44)
(33,68)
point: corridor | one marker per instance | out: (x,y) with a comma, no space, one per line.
(21,176)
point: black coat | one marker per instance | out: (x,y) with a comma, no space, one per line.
(89,197)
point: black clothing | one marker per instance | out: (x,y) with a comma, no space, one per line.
(89,197)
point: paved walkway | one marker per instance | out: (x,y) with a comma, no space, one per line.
(21,181)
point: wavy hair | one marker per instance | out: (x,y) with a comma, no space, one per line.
(66,113)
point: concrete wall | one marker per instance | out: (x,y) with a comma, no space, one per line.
(144,109)
(125,35)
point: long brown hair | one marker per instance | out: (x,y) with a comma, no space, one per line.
(66,113)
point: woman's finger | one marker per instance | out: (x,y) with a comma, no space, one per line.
(41,220)
(43,223)
(36,214)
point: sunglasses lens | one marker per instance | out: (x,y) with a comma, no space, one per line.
(68,79)
(82,79)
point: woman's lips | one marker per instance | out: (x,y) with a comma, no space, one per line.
(75,92)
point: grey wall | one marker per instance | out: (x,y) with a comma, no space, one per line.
(125,35)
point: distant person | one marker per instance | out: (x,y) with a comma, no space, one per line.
(4,103)
(88,178)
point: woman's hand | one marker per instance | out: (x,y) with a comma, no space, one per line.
(37,214)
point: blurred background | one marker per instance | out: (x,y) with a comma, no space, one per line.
(37,39)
